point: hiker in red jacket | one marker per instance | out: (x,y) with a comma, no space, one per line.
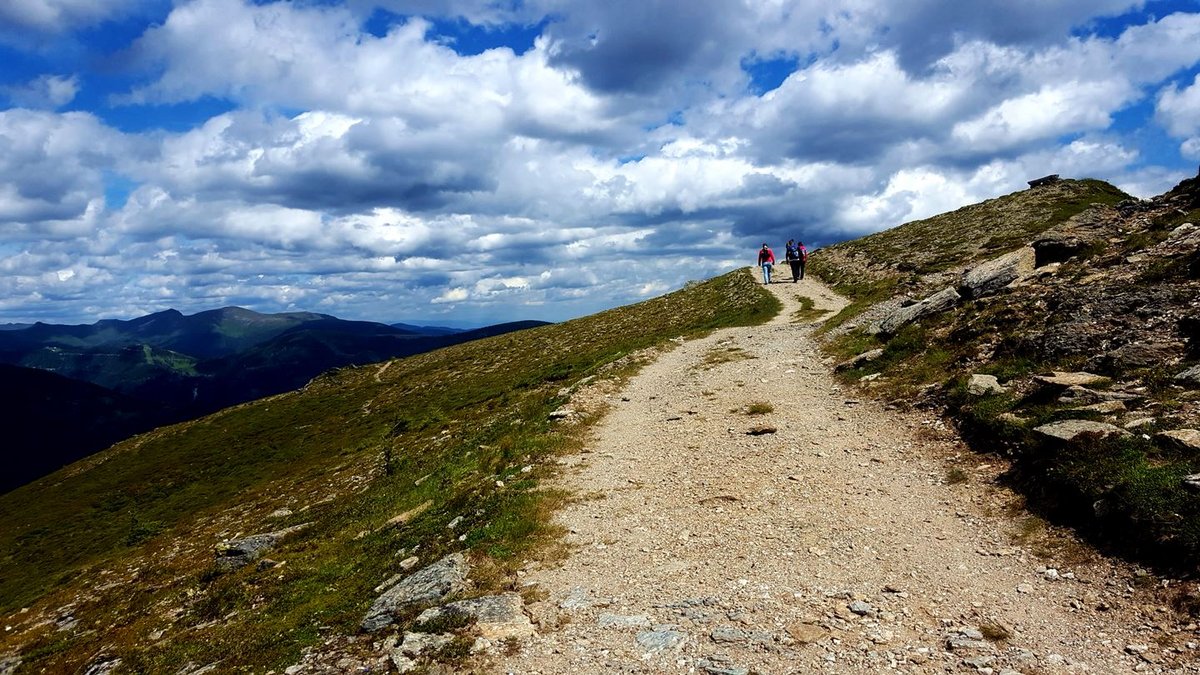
(766,259)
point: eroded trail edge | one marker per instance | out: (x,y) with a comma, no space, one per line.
(838,542)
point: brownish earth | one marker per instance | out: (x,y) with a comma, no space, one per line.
(852,539)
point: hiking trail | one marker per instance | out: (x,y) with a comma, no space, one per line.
(836,544)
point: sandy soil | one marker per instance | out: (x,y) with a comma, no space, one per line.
(836,544)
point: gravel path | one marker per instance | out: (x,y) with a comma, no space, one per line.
(835,544)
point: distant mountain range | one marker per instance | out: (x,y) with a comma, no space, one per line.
(167,367)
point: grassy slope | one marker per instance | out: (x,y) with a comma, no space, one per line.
(126,536)
(869,269)
(1147,512)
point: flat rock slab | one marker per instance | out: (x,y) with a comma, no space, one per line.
(902,316)
(496,617)
(1179,439)
(661,640)
(1071,430)
(992,276)
(238,553)
(430,584)
(1064,380)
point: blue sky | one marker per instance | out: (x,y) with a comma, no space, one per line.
(484,160)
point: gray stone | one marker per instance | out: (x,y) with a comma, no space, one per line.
(961,643)
(1191,376)
(861,608)
(1192,482)
(232,555)
(729,634)
(1064,380)
(578,598)
(661,640)
(979,661)
(1057,247)
(103,667)
(992,276)
(720,668)
(496,617)
(982,385)
(901,316)
(607,620)
(1071,430)
(417,643)
(9,664)
(1104,407)
(1077,395)
(1187,440)
(860,360)
(430,584)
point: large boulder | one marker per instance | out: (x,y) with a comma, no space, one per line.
(1062,380)
(428,585)
(992,276)
(860,360)
(901,316)
(1055,247)
(232,555)
(1070,431)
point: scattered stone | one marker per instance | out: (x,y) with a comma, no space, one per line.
(982,385)
(280,513)
(416,644)
(1187,440)
(979,662)
(860,360)
(607,620)
(454,523)
(1104,407)
(901,316)
(992,276)
(661,640)
(9,664)
(232,555)
(104,666)
(563,414)
(407,516)
(543,614)
(1192,481)
(806,633)
(496,617)
(431,584)
(409,562)
(861,608)
(1138,423)
(760,430)
(1076,395)
(720,668)
(1071,430)
(729,634)
(870,378)
(578,598)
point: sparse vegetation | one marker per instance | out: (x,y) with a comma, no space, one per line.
(723,354)
(760,408)
(808,313)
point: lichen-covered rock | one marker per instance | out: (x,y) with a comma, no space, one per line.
(429,584)
(983,385)
(992,276)
(902,316)
(496,617)
(1064,380)
(860,360)
(238,553)
(1071,430)
(1179,439)
(1191,376)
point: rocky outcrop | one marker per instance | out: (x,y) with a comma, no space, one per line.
(430,584)
(1070,431)
(238,553)
(1187,440)
(994,275)
(1191,376)
(495,617)
(1063,380)
(902,316)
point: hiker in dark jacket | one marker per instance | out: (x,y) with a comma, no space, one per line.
(793,259)
(801,261)
(766,259)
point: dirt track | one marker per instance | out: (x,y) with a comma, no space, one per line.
(836,544)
